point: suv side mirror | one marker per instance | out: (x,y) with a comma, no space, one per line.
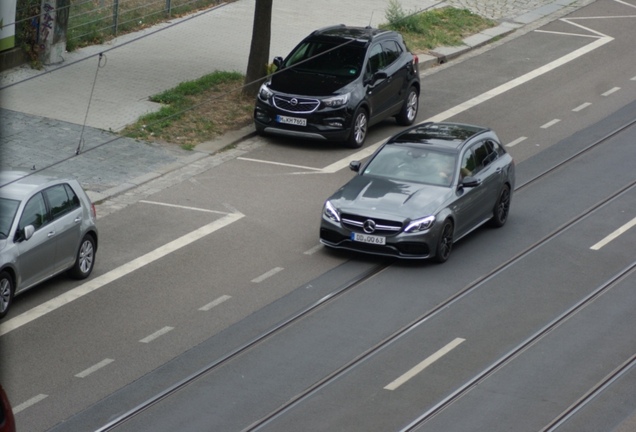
(278,62)
(355,166)
(379,76)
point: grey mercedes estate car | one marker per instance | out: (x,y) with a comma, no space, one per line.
(421,191)
(47,226)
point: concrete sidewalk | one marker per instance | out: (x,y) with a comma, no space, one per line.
(47,114)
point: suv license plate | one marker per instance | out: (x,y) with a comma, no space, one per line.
(291,120)
(365,238)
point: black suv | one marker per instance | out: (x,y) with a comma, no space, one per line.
(338,81)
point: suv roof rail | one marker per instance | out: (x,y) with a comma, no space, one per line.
(323,29)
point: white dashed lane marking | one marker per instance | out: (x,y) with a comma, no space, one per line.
(215,303)
(26,404)
(94,368)
(610,91)
(581,107)
(550,123)
(269,274)
(517,141)
(156,334)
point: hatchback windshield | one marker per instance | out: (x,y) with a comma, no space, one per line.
(344,60)
(415,164)
(8,208)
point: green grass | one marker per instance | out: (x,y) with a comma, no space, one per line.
(195,111)
(438,27)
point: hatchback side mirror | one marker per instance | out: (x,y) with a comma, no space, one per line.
(25,233)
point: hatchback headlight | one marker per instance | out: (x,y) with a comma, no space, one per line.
(336,101)
(419,225)
(264,93)
(330,212)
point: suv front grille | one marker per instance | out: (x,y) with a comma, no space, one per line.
(382,226)
(296,104)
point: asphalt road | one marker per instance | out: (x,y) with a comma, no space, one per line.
(196,270)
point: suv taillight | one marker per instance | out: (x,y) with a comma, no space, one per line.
(93,211)
(416,60)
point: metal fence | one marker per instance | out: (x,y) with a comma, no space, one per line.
(93,21)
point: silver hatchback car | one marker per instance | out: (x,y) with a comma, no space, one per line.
(47,226)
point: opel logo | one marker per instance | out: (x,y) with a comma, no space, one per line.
(293,102)
(368,226)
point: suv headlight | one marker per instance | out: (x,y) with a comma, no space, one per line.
(419,225)
(336,101)
(264,93)
(330,212)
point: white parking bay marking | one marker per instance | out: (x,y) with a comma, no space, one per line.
(94,368)
(116,273)
(614,235)
(26,404)
(278,163)
(215,303)
(156,334)
(424,364)
(270,273)
(182,207)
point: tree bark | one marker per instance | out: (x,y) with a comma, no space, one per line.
(259,49)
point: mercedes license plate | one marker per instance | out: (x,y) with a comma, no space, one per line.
(291,120)
(366,238)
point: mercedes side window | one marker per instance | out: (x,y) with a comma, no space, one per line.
(62,199)
(34,213)
(468,165)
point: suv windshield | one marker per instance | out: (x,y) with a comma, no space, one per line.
(8,209)
(344,60)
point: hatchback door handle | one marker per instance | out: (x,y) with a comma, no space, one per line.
(78,219)
(50,234)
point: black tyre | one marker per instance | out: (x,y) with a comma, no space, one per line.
(85,259)
(444,242)
(502,208)
(407,116)
(358,129)
(6,293)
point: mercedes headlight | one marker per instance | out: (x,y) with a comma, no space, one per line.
(419,225)
(330,212)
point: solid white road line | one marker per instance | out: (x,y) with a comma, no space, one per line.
(367,151)
(424,364)
(517,141)
(270,273)
(614,235)
(550,123)
(30,402)
(215,303)
(156,334)
(94,368)
(113,275)
(610,91)
(582,107)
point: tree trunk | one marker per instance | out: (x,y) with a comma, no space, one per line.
(259,49)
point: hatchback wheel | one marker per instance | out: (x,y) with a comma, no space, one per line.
(358,129)
(6,293)
(85,259)
(502,208)
(406,117)
(444,242)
